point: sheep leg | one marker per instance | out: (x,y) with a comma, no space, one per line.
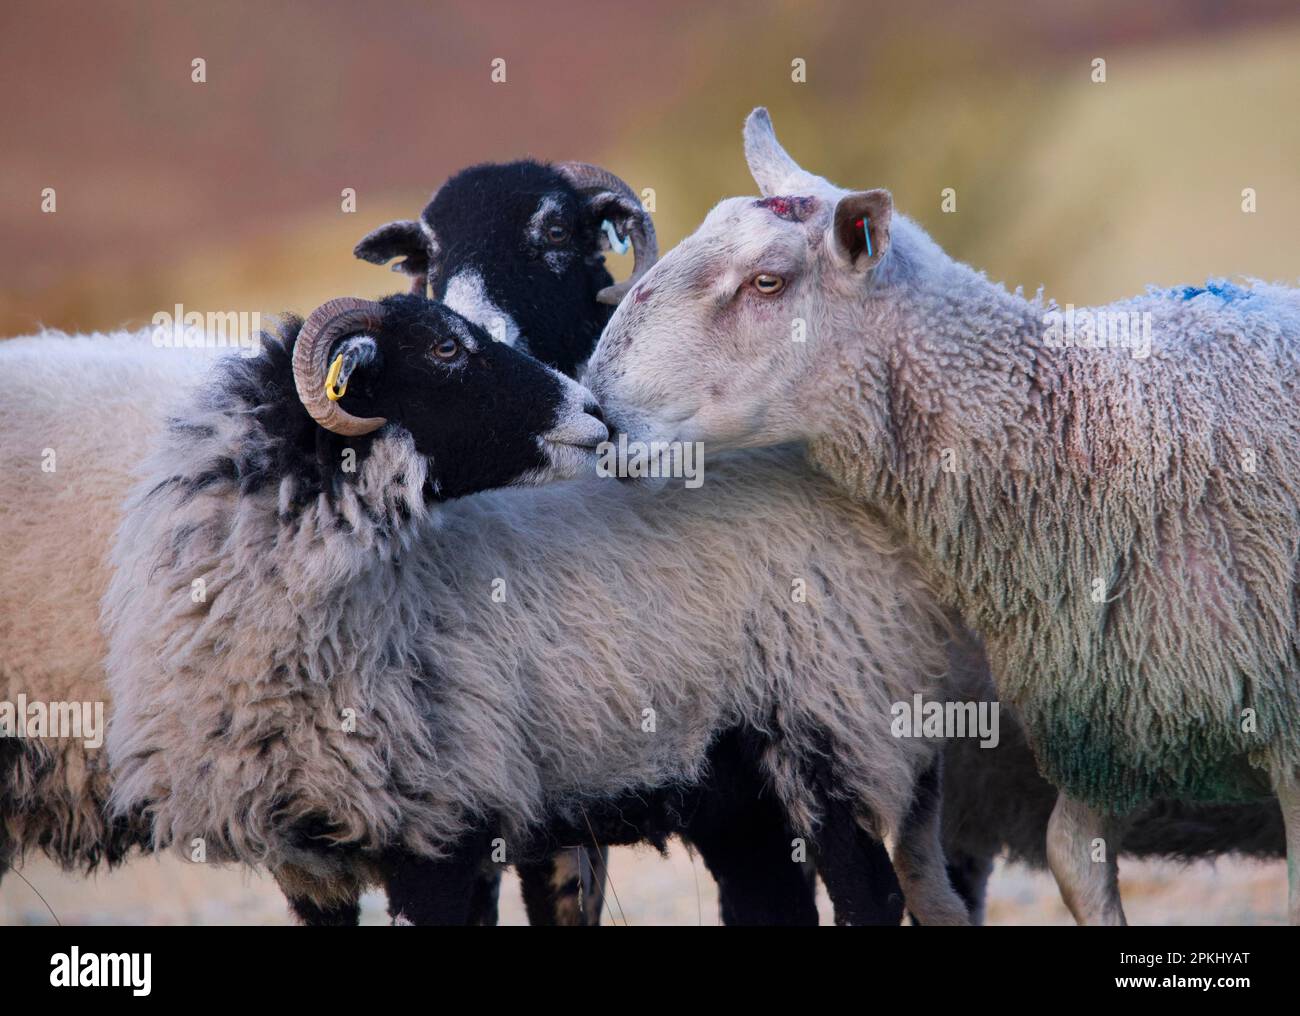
(485,899)
(423,891)
(1288,796)
(343,914)
(855,866)
(759,882)
(593,893)
(743,835)
(919,859)
(1082,854)
(969,875)
(566,888)
(317,902)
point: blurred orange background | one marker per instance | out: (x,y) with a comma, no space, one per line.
(228,195)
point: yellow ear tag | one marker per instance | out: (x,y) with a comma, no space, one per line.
(332,390)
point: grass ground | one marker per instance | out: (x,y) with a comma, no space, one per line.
(650,891)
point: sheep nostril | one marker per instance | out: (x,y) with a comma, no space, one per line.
(591,409)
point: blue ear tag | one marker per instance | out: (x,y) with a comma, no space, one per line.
(616,242)
(864,225)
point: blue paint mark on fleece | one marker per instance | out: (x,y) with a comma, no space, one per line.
(1223,289)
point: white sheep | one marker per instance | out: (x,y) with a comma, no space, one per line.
(1112,511)
(78,412)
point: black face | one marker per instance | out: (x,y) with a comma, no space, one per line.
(534,243)
(483,415)
(515,242)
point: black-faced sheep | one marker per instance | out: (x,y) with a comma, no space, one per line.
(1112,511)
(517,249)
(231,715)
(53,580)
(129,383)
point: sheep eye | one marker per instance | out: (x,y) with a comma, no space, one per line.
(557,234)
(446,349)
(769,285)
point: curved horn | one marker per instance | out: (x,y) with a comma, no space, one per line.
(331,321)
(589,179)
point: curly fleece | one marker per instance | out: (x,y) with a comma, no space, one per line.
(229,713)
(1125,531)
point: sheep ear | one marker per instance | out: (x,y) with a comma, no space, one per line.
(401,239)
(360,357)
(859,233)
(617,209)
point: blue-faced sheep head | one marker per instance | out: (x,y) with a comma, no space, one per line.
(481,414)
(518,249)
(735,336)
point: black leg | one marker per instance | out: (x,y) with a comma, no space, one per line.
(565,888)
(344,914)
(334,903)
(741,832)
(969,875)
(594,876)
(485,898)
(749,850)
(442,892)
(11,751)
(535,884)
(856,869)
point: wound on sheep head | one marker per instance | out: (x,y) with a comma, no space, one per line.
(712,343)
(480,414)
(517,249)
